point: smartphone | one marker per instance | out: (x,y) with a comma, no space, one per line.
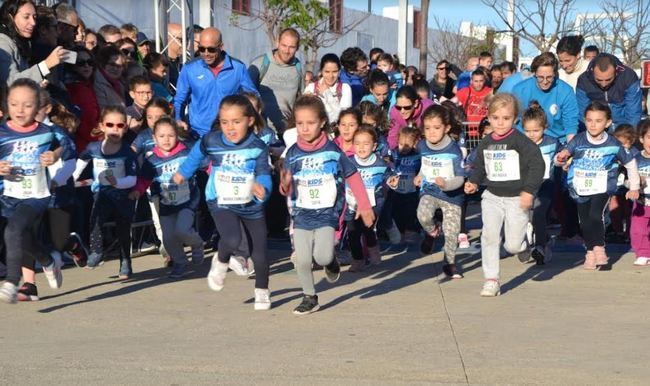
(70,57)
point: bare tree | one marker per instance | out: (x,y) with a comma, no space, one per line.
(424,35)
(449,44)
(541,22)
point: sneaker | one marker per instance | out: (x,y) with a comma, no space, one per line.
(343,256)
(94,261)
(27,293)
(463,241)
(357,266)
(392,249)
(538,255)
(426,246)
(53,271)
(452,271)
(251,267)
(178,271)
(78,252)
(167,262)
(530,234)
(601,256)
(163,252)
(217,275)
(333,271)
(146,247)
(262,299)
(198,256)
(410,237)
(125,269)
(393,234)
(238,265)
(491,288)
(524,255)
(374,255)
(309,304)
(642,261)
(548,250)
(590,261)
(8,292)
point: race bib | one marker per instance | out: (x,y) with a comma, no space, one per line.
(436,167)
(234,189)
(405,183)
(547,166)
(646,175)
(174,194)
(27,181)
(352,202)
(105,168)
(316,193)
(589,182)
(502,165)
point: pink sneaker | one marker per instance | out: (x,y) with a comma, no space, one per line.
(590,260)
(601,256)
(463,241)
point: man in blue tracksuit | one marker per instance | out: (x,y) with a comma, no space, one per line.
(208,80)
(609,81)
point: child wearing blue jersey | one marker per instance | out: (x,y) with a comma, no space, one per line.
(314,173)
(534,122)
(114,174)
(375,174)
(265,133)
(177,203)
(27,148)
(405,196)
(620,209)
(440,179)
(592,177)
(238,187)
(640,224)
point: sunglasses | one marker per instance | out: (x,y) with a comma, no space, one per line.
(119,125)
(442,68)
(212,50)
(88,62)
(400,108)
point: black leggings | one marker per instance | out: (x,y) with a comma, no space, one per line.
(60,220)
(357,229)
(104,210)
(591,215)
(230,233)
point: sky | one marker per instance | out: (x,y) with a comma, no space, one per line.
(467,10)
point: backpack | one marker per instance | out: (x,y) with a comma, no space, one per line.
(266,62)
(339,90)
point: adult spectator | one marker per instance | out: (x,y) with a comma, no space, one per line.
(17,25)
(355,70)
(80,36)
(507,69)
(590,52)
(442,85)
(208,80)
(407,111)
(278,77)
(90,40)
(465,77)
(496,78)
(555,96)
(67,25)
(609,81)
(473,100)
(144,46)
(132,66)
(80,84)
(45,35)
(409,75)
(156,65)
(174,51)
(569,51)
(109,82)
(130,31)
(110,34)
(336,95)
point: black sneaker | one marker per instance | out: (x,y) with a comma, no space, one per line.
(27,293)
(78,252)
(333,271)
(524,255)
(309,304)
(452,271)
(538,255)
(427,244)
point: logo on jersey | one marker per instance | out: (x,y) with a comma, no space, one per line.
(313,163)
(233,160)
(25,147)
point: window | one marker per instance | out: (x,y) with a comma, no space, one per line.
(417,19)
(242,7)
(336,15)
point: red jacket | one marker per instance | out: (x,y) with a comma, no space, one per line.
(83,95)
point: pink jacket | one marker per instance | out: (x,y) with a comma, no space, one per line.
(397,122)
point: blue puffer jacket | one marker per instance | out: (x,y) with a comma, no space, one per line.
(623,95)
(356,83)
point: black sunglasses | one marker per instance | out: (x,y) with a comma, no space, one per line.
(89,62)
(212,50)
(400,108)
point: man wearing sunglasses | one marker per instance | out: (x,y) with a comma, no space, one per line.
(278,75)
(208,80)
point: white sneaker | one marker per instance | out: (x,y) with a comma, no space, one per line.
(530,234)
(251,267)
(463,241)
(238,265)
(642,261)
(491,288)
(53,271)
(217,275)
(8,292)
(262,299)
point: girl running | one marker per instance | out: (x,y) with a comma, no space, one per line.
(640,227)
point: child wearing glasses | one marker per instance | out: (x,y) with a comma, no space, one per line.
(141,92)
(114,174)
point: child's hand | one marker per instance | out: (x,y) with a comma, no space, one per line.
(440,182)
(632,195)
(258,191)
(367,216)
(182,125)
(285,179)
(470,188)
(178,178)
(417,181)
(48,158)
(134,195)
(112,180)
(526,200)
(134,123)
(5,168)
(392,181)
(562,157)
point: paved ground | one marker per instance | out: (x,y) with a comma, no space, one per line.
(400,323)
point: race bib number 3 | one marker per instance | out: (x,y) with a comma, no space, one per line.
(588,182)
(502,165)
(437,167)
(316,193)
(173,194)
(234,189)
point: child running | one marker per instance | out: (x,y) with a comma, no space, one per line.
(640,227)
(441,181)
(114,174)
(511,168)
(592,178)
(238,186)
(313,175)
